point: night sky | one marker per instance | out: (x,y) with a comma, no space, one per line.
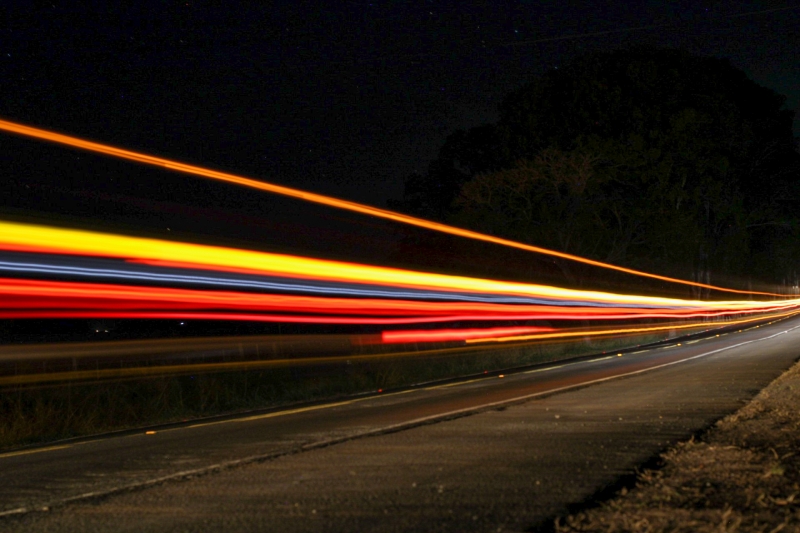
(340,97)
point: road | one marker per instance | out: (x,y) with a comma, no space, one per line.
(493,454)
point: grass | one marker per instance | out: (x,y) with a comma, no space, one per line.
(742,475)
(39,414)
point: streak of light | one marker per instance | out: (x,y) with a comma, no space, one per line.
(49,299)
(261,346)
(32,238)
(227,366)
(135,272)
(617,331)
(75,142)
(443,335)
(252,317)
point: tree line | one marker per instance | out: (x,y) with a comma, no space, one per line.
(650,158)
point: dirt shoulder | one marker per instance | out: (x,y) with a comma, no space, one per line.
(742,475)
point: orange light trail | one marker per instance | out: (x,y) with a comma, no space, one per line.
(138,157)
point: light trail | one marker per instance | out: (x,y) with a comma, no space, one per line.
(226,366)
(132,272)
(42,239)
(619,330)
(76,142)
(444,335)
(245,317)
(30,296)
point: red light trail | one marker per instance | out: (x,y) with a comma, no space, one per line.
(58,298)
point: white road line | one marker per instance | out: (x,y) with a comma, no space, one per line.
(545,369)
(36,450)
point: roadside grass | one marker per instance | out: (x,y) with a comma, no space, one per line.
(742,475)
(37,414)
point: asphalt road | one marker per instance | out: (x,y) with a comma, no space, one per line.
(494,454)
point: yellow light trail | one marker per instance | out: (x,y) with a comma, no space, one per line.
(34,238)
(76,142)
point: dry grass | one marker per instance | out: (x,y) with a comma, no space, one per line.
(742,476)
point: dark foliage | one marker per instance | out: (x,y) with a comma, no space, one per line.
(651,158)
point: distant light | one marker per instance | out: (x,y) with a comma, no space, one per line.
(501,376)
(149,432)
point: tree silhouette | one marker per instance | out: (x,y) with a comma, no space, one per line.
(652,158)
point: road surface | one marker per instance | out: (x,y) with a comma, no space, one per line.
(493,454)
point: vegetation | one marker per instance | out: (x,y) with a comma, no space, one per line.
(39,414)
(742,475)
(655,159)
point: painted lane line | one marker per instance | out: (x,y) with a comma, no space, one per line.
(546,369)
(37,450)
(292,411)
(205,424)
(446,385)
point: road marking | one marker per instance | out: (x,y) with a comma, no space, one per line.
(545,369)
(276,414)
(454,384)
(568,364)
(37,450)
(204,424)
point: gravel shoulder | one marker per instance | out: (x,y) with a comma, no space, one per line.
(741,475)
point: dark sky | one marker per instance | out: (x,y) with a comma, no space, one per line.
(340,97)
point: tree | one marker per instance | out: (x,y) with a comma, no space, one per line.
(652,158)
